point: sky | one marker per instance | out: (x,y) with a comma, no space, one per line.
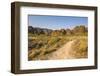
(56,22)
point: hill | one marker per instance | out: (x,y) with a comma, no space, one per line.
(76,31)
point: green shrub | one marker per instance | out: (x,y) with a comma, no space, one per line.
(53,40)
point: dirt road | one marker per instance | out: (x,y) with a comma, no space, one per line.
(65,51)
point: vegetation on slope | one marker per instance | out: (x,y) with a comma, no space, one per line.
(42,43)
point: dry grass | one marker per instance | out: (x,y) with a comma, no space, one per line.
(44,46)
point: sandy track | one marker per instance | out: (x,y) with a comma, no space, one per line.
(64,52)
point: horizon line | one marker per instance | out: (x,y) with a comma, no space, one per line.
(59,28)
